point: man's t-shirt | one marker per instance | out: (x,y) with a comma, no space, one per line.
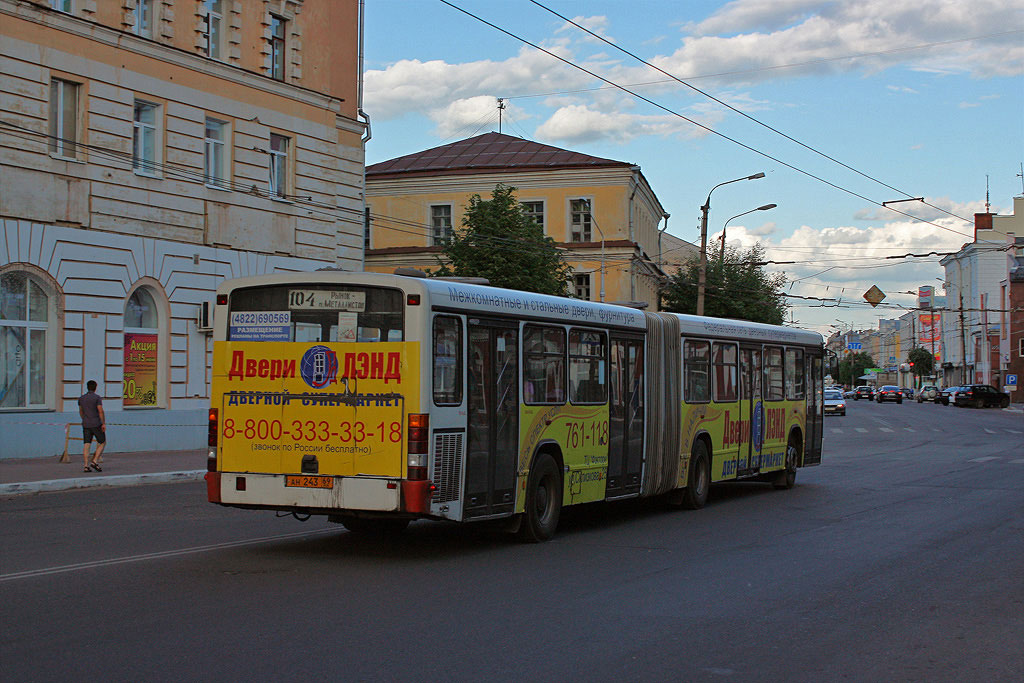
(90,409)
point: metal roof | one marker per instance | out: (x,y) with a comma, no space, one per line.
(486,153)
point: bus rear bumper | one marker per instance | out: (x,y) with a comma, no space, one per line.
(270,491)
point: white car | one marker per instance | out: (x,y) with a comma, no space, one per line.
(835,404)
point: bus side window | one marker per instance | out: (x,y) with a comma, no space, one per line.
(725,372)
(587,367)
(696,371)
(773,373)
(794,374)
(447,361)
(544,364)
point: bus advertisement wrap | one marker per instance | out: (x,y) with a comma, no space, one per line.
(328,408)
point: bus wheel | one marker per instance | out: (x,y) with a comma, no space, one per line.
(786,479)
(698,483)
(543,500)
(375,527)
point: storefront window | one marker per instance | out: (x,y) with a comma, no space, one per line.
(24,324)
(141,350)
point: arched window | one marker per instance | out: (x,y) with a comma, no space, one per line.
(142,367)
(26,368)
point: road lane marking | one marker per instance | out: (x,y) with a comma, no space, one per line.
(885,429)
(1014,431)
(1018,461)
(908,429)
(991,431)
(984,459)
(153,556)
(861,430)
(836,430)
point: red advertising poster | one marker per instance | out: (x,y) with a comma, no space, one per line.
(930,330)
(140,369)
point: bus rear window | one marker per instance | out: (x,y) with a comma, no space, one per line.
(321,312)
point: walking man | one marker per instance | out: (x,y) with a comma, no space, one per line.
(94,424)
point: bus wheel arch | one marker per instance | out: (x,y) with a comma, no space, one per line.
(544,490)
(786,479)
(698,476)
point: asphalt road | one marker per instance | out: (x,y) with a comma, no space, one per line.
(899,558)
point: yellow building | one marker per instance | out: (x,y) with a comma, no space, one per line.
(602,213)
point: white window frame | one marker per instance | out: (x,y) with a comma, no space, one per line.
(48,328)
(586,228)
(278,48)
(143,18)
(217,150)
(142,165)
(441,235)
(67,6)
(56,120)
(531,214)
(278,181)
(214,29)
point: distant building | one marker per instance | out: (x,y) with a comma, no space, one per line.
(976,329)
(148,150)
(601,212)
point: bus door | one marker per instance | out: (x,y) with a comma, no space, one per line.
(815,408)
(626,416)
(751,409)
(493,404)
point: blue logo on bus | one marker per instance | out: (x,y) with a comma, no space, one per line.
(756,425)
(319,366)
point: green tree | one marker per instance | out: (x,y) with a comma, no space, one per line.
(924,362)
(853,366)
(735,287)
(501,243)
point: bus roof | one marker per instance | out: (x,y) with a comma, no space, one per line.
(482,299)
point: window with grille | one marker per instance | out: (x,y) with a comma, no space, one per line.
(534,211)
(581,285)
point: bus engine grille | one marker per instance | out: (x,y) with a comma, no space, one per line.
(447,463)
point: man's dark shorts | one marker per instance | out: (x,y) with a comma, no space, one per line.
(89,432)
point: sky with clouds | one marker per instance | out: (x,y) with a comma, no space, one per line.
(843,104)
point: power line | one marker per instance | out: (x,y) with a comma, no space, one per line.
(692,121)
(734,109)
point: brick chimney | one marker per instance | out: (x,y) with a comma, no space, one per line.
(982,221)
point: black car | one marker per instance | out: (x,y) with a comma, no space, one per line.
(863,391)
(889,392)
(981,396)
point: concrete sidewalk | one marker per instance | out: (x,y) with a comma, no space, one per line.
(34,475)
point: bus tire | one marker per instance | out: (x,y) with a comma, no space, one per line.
(698,482)
(374,527)
(543,500)
(786,479)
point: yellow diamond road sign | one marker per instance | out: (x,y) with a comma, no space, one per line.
(874,296)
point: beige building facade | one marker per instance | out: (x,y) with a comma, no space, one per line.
(601,213)
(148,150)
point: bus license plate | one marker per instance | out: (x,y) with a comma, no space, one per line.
(309,482)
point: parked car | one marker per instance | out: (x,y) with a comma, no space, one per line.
(863,391)
(849,394)
(927,393)
(908,392)
(889,392)
(946,396)
(981,396)
(835,404)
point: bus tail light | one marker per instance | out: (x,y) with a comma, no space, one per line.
(212,429)
(419,440)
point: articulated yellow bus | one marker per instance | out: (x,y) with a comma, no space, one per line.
(378,399)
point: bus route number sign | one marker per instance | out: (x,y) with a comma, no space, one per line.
(326,300)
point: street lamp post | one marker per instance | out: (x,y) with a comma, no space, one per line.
(703,272)
(766,207)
